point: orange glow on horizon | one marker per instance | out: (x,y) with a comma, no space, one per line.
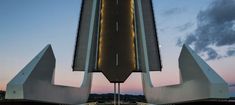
(132,85)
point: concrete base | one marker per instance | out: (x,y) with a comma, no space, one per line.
(198,81)
(35,82)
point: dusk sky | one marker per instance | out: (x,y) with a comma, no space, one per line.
(27,26)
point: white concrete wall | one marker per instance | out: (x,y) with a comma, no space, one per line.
(35,82)
(198,81)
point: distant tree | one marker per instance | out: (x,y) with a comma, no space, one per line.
(2,95)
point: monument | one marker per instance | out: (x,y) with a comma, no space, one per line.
(116,38)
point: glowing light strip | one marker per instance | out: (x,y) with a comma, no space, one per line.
(101,34)
(132,34)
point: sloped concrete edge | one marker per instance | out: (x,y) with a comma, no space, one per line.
(198,81)
(35,82)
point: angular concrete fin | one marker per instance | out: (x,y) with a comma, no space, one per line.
(22,76)
(15,86)
(35,82)
(198,82)
(196,69)
(147,47)
(86,41)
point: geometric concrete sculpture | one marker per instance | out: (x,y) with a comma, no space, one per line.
(117,37)
(198,82)
(35,83)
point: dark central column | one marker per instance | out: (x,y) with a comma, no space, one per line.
(116,39)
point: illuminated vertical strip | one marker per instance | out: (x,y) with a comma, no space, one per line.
(132,34)
(101,34)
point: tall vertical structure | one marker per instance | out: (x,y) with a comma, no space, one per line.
(120,39)
(117,37)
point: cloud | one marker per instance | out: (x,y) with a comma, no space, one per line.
(232,85)
(184,26)
(215,27)
(231,52)
(172,11)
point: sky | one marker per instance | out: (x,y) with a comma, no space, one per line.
(27,26)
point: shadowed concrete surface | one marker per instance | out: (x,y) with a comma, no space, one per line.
(85,48)
(146,37)
(35,82)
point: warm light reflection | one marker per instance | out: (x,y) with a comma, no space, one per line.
(101,34)
(132,34)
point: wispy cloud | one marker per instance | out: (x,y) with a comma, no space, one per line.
(215,27)
(232,85)
(185,26)
(231,52)
(172,11)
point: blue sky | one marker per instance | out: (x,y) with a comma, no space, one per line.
(26,26)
